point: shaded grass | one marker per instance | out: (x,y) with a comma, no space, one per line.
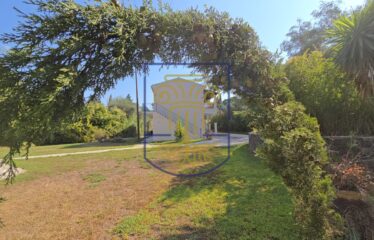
(185,159)
(242,200)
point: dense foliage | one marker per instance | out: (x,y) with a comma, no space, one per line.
(67,49)
(329,95)
(239,121)
(288,128)
(125,104)
(96,123)
(345,35)
(241,115)
(352,44)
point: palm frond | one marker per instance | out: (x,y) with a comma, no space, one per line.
(352,44)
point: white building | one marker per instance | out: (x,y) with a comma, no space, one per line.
(183,100)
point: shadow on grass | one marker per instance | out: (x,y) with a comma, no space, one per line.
(241,200)
(257,204)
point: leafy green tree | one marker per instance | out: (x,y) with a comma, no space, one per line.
(125,104)
(310,35)
(239,122)
(236,104)
(96,122)
(66,49)
(352,45)
(329,95)
(128,97)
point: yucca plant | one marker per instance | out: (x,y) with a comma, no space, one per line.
(352,44)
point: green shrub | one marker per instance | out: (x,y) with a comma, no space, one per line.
(329,95)
(294,148)
(179,132)
(130,131)
(99,134)
(239,121)
(95,122)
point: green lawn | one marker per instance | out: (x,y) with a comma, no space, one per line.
(69,148)
(82,147)
(242,200)
(40,167)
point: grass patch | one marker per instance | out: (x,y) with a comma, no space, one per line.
(94,178)
(137,224)
(41,167)
(242,200)
(69,148)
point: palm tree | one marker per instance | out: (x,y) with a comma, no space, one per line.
(352,45)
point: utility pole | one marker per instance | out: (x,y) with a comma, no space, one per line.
(137,106)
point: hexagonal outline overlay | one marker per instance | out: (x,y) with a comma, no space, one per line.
(228,67)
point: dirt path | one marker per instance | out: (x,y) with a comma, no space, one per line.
(66,206)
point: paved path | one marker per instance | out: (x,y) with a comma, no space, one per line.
(221,139)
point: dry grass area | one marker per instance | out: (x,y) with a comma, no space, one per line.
(67,206)
(116,195)
(84,197)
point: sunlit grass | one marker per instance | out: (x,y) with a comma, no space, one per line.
(41,167)
(242,200)
(69,148)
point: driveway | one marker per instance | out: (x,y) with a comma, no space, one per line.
(221,139)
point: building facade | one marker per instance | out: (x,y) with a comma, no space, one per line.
(181,100)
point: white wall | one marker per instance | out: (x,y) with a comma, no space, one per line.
(184,98)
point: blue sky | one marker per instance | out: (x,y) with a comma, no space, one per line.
(271,19)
